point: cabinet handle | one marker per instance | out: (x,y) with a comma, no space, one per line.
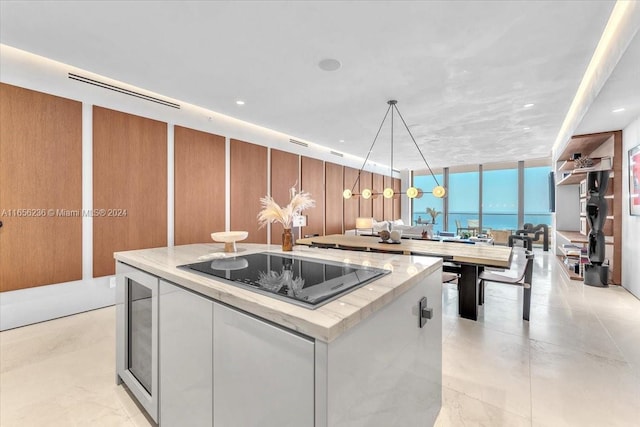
(424,313)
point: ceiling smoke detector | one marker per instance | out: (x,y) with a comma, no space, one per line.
(329,64)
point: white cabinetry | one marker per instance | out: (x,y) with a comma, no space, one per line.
(387,371)
(221,367)
(264,375)
(186,355)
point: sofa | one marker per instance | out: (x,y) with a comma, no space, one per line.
(399,225)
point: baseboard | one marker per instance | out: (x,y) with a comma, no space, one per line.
(34,305)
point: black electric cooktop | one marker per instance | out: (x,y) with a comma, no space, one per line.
(304,281)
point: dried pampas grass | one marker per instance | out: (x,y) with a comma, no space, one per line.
(272,212)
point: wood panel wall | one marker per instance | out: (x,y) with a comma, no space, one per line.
(388,203)
(378,202)
(285,172)
(351,206)
(199,195)
(40,170)
(312,181)
(397,188)
(366,205)
(248,185)
(334,186)
(129,173)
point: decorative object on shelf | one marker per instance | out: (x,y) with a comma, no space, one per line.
(576,156)
(634,180)
(433,213)
(272,212)
(388,193)
(384,235)
(229,238)
(583,162)
(596,273)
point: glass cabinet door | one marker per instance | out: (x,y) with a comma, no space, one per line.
(137,334)
(140,310)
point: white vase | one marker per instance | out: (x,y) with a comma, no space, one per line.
(396,235)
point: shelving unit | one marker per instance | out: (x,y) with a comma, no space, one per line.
(571,217)
(580,241)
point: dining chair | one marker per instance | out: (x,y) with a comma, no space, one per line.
(522,278)
(450,270)
(474,226)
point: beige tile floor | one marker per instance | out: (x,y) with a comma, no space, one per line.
(577,363)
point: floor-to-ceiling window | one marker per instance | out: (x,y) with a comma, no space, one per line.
(536,195)
(421,206)
(464,197)
(500,196)
(499,207)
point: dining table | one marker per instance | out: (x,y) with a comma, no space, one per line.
(471,259)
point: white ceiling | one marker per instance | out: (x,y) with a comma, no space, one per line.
(622,90)
(461,71)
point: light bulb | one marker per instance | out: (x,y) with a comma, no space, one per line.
(439,191)
(414,193)
(347,194)
(366,193)
(388,193)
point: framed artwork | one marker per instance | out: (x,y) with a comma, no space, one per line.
(634,180)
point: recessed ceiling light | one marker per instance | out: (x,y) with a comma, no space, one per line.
(528,105)
(342,140)
(618,110)
(526,128)
(329,64)
(240,102)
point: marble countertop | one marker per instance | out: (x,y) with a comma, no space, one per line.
(325,323)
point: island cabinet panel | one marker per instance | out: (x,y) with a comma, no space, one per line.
(366,205)
(352,205)
(378,202)
(387,371)
(263,374)
(199,171)
(387,204)
(312,181)
(129,184)
(40,189)
(285,172)
(186,365)
(333,198)
(248,186)
(397,212)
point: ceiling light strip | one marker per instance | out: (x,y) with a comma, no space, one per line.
(622,26)
(122,90)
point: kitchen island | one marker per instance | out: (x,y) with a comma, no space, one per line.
(196,350)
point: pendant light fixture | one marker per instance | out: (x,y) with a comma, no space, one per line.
(388,193)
